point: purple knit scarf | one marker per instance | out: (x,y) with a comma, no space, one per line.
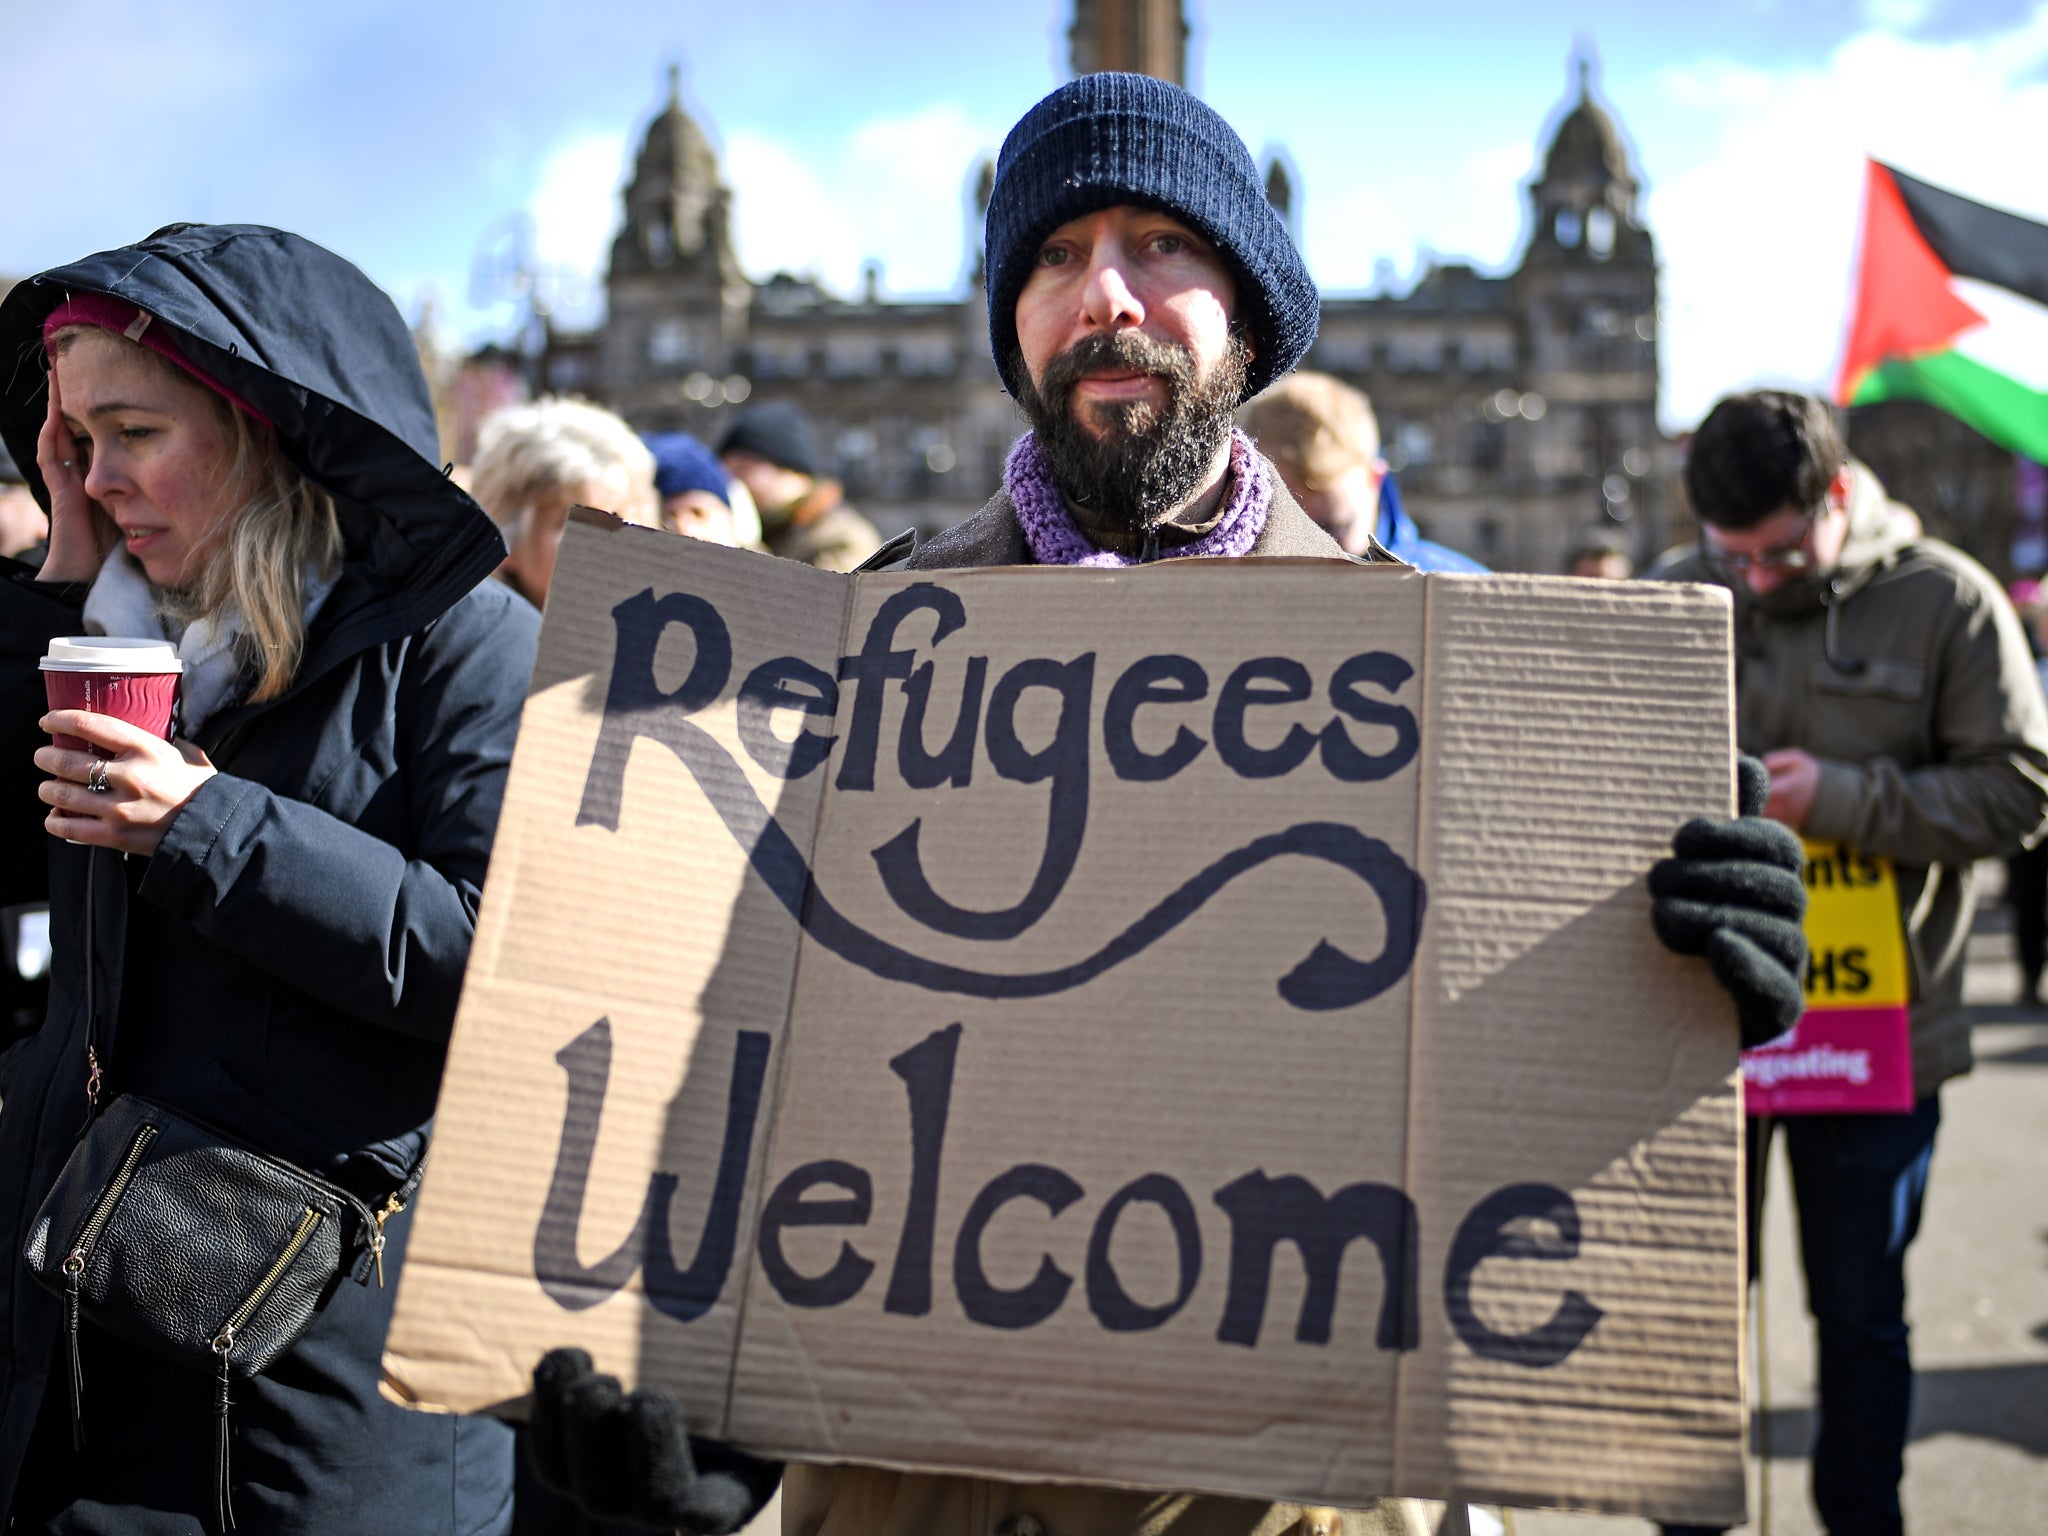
(1055,540)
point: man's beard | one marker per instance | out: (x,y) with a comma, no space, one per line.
(1133,462)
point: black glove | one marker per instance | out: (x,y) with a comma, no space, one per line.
(625,1455)
(1735,894)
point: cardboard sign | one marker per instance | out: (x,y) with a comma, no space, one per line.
(1851,1051)
(1190,1027)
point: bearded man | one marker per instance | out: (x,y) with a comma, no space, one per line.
(1140,289)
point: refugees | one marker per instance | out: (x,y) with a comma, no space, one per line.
(771,450)
(698,497)
(1884,678)
(261,925)
(536,461)
(1140,289)
(1322,437)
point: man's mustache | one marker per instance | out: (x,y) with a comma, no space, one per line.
(1117,352)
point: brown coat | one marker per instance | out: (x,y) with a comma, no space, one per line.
(871,1501)
(1911,681)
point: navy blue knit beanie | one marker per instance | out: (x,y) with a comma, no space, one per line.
(1114,138)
